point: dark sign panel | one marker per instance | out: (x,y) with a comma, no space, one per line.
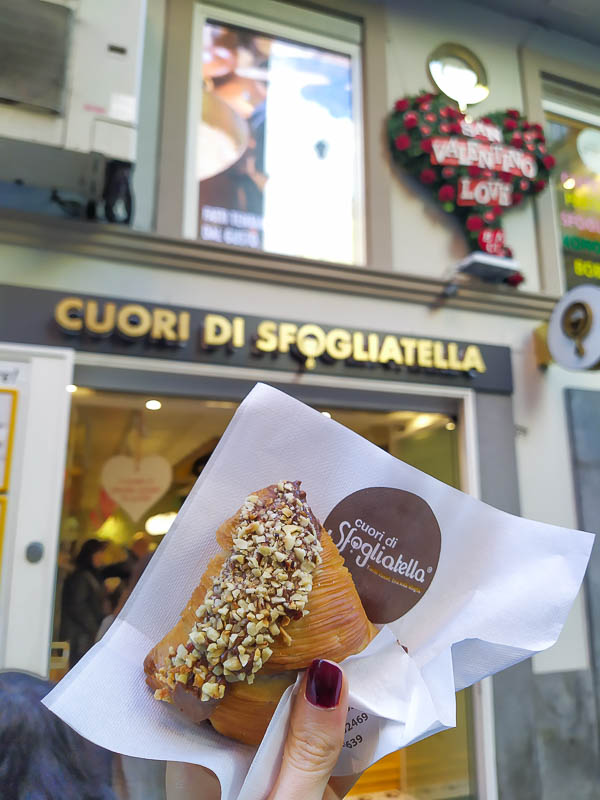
(119,326)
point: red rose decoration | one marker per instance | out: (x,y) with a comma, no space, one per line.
(489,216)
(538,128)
(513,113)
(517,198)
(506,177)
(539,185)
(402,142)
(425,130)
(448,172)
(424,98)
(455,127)
(445,112)
(426,146)
(445,127)
(548,161)
(524,185)
(410,120)
(446,193)
(474,223)
(515,279)
(474,172)
(427,176)
(510,124)
(487,120)
(530,147)
(425,107)
(430,117)
(401,105)
(516,140)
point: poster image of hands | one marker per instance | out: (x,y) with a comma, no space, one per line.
(8,411)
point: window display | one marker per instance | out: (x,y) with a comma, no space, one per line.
(278,114)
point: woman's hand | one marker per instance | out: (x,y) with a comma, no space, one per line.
(312,747)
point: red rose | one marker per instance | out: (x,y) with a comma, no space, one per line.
(445,127)
(474,223)
(446,193)
(425,130)
(512,112)
(402,142)
(474,172)
(516,140)
(431,117)
(525,125)
(448,172)
(411,120)
(549,161)
(427,176)
(445,112)
(515,279)
(455,127)
(426,146)
(524,185)
(539,185)
(510,124)
(508,252)
(541,148)
(453,113)
(538,129)
(506,177)
(530,147)
(425,107)
(517,198)
(487,121)
(401,105)
(424,98)
(489,216)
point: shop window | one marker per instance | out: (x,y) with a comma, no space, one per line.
(277,127)
(573,136)
(174,437)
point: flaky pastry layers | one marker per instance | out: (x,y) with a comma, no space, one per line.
(277,597)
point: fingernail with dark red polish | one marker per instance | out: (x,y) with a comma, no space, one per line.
(324,684)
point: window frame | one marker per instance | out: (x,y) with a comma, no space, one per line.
(204,12)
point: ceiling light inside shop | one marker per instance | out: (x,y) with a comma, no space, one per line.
(71,388)
(450,426)
(326,414)
(422,421)
(569,183)
(159,524)
(153,405)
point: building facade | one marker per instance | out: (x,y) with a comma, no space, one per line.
(225,278)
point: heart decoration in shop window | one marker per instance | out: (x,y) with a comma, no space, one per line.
(476,169)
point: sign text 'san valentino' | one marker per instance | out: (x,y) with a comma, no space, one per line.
(129,327)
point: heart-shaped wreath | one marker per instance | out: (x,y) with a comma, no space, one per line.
(477,169)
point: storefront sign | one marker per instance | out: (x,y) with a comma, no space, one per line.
(477,169)
(574,329)
(128,327)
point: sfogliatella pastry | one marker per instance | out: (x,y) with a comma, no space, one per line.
(277,597)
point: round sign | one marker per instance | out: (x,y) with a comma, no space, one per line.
(574,329)
(390,540)
(588,147)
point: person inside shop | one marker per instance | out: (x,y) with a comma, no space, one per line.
(85,599)
(41,758)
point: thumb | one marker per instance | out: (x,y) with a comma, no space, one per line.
(315,735)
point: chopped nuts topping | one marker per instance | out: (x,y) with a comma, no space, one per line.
(262,586)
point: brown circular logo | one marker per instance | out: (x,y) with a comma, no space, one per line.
(390,540)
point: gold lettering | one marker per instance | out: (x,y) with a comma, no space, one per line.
(184,326)
(339,344)
(311,343)
(239,336)
(217,330)
(473,359)
(390,351)
(373,347)
(287,336)
(438,356)
(134,329)
(163,324)
(93,324)
(68,313)
(267,336)
(359,353)
(409,345)
(424,353)
(453,359)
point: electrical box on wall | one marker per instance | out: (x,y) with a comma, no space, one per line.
(73,86)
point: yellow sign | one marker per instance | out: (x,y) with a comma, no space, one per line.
(8,415)
(2,524)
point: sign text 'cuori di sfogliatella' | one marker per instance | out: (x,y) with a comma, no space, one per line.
(309,341)
(120,326)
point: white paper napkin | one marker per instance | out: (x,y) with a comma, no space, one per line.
(501,592)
